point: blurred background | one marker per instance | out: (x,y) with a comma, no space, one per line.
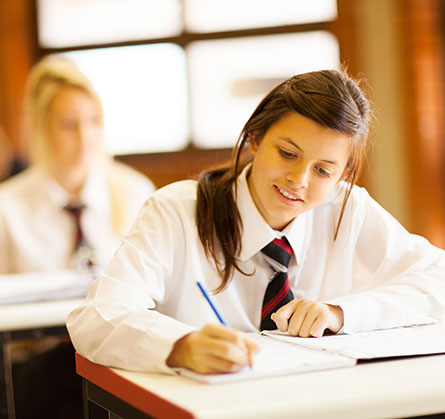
(178,78)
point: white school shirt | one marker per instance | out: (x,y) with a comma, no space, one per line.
(147,298)
(37,234)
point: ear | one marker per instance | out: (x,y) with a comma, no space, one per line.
(253,145)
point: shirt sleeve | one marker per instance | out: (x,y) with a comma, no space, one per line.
(118,324)
(399,278)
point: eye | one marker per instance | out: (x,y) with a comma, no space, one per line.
(68,124)
(287,154)
(322,172)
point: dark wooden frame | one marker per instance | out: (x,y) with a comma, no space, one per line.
(7,408)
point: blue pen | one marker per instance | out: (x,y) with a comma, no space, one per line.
(204,293)
(220,318)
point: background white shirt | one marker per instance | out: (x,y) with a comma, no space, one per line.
(147,298)
(37,234)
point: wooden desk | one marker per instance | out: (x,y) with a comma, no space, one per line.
(389,389)
(27,321)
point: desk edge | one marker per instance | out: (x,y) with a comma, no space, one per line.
(135,395)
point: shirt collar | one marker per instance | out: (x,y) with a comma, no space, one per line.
(256,232)
(94,194)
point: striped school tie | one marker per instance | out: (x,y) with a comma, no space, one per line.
(76,213)
(277,253)
(81,249)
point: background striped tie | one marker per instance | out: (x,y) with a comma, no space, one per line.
(81,248)
(76,212)
(278,293)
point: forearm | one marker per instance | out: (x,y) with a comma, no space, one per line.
(404,302)
(125,335)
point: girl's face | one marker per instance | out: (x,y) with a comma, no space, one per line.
(296,165)
(75,130)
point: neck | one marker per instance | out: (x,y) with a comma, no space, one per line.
(71,181)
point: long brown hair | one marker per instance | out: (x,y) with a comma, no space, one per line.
(331,99)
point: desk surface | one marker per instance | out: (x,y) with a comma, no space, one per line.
(397,388)
(36,315)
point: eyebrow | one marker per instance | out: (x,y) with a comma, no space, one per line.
(289,140)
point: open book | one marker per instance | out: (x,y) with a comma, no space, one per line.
(282,354)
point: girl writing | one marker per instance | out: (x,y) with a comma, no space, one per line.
(283,237)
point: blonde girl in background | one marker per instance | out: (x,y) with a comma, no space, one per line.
(69,167)
(61,218)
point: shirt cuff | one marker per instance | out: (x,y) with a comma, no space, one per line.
(165,339)
(363,313)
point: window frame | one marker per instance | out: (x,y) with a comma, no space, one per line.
(191,160)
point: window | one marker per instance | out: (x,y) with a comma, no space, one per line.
(217,15)
(174,74)
(67,23)
(226,83)
(144,93)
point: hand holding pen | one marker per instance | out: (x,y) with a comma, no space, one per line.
(213,349)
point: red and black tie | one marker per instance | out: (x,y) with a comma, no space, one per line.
(81,250)
(76,212)
(278,293)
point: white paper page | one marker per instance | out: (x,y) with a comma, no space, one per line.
(404,341)
(43,286)
(276,358)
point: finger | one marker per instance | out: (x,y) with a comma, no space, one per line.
(202,352)
(252,349)
(282,315)
(241,349)
(219,349)
(337,318)
(216,365)
(222,332)
(329,317)
(319,326)
(210,359)
(210,364)
(238,353)
(312,315)
(298,317)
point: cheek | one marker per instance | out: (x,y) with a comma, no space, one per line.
(325,188)
(58,146)
(94,138)
(59,140)
(99,138)
(272,167)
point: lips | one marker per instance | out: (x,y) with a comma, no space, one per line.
(288,195)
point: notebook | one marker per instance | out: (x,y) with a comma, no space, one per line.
(378,344)
(281,354)
(276,357)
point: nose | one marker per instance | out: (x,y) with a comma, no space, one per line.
(83,134)
(299,175)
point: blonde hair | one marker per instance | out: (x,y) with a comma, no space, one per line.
(46,80)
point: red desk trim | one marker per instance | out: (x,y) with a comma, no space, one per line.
(131,393)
